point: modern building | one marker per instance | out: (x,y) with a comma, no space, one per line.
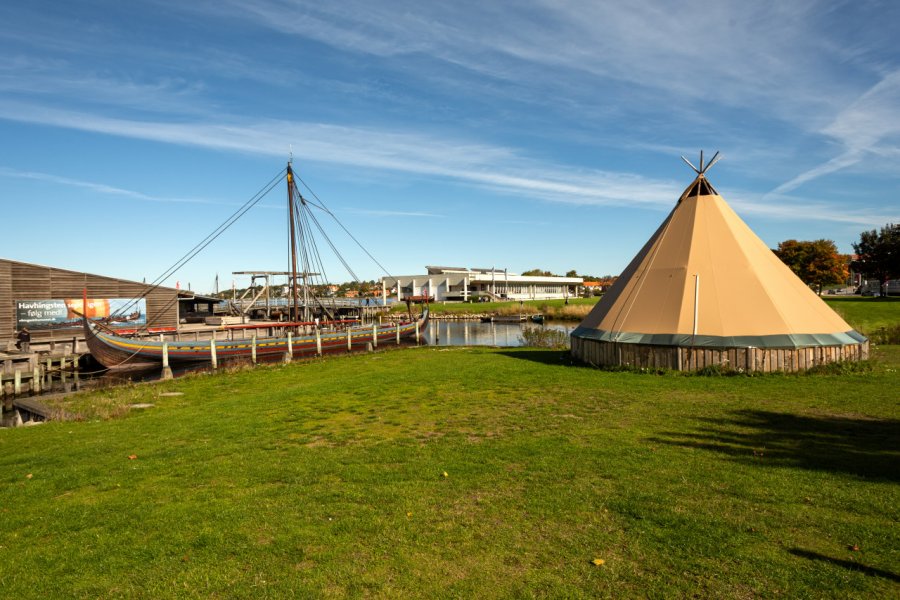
(462,284)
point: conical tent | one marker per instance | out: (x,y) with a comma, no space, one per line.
(705,290)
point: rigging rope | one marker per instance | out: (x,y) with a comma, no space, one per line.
(205,242)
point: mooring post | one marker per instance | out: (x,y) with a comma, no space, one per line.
(374,335)
(212,351)
(162,337)
(48,373)
(318,342)
(398,333)
(17,382)
(417,332)
(289,355)
(166,369)
(62,370)
(36,381)
(349,340)
(77,374)
(253,348)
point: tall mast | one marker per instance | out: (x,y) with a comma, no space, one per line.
(293,287)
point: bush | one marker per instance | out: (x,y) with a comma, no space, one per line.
(886,335)
(543,337)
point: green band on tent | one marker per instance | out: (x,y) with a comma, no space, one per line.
(793,340)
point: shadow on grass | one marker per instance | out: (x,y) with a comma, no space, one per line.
(545,357)
(862,447)
(847,564)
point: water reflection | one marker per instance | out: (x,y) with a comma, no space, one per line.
(476,333)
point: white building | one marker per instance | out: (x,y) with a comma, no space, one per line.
(461,284)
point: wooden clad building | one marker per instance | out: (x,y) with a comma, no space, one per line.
(25,284)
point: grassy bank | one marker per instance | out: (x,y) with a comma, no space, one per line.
(412,474)
(876,317)
(575,310)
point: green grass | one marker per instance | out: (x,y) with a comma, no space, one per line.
(869,315)
(576,309)
(325,479)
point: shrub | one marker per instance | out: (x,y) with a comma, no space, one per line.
(543,337)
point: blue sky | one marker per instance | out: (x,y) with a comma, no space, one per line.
(511,134)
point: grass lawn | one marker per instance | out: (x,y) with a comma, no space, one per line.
(867,314)
(456,472)
(576,309)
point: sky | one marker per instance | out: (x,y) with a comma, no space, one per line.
(516,135)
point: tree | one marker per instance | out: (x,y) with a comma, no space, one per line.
(538,273)
(572,273)
(879,254)
(816,262)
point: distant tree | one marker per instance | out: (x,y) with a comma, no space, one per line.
(538,273)
(879,253)
(572,273)
(816,263)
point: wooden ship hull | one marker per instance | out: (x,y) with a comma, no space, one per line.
(113,351)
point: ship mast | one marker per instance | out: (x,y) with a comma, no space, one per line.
(290,186)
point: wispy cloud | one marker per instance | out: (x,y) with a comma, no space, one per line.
(869,126)
(499,169)
(100,188)
(391,213)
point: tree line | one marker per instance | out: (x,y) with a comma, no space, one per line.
(818,262)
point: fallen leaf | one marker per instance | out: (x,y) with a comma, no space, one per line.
(853,548)
(445,474)
(132,456)
(598,561)
(409,514)
(29,476)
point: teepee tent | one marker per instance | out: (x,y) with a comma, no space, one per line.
(705,290)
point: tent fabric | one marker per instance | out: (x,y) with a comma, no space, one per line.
(705,261)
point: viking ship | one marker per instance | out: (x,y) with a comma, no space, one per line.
(113,351)
(117,351)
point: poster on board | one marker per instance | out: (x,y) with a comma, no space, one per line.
(62,314)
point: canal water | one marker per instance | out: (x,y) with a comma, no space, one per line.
(476,333)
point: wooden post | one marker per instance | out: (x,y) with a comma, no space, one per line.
(166,369)
(17,382)
(62,370)
(48,373)
(417,332)
(374,335)
(253,349)
(162,337)
(398,333)
(349,340)
(212,351)
(318,342)
(289,354)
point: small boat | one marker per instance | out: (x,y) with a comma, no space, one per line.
(114,351)
(509,319)
(537,318)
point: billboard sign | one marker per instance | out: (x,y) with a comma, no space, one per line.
(45,315)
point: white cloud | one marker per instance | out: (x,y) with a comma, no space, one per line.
(100,188)
(868,126)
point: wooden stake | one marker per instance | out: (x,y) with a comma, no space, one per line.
(212,351)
